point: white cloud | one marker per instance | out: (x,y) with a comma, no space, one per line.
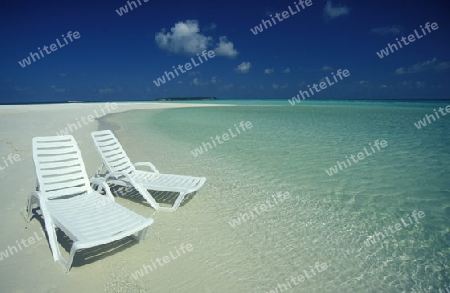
(387,30)
(58,90)
(225,48)
(400,70)
(184,38)
(276,86)
(331,12)
(406,84)
(244,67)
(412,85)
(286,70)
(227,87)
(269,71)
(20,89)
(432,64)
(106,91)
(420,84)
(195,81)
(210,27)
(193,73)
(270,12)
(441,65)
(198,81)
(326,68)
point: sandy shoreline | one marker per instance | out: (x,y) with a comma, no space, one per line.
(23,122)
(33,261)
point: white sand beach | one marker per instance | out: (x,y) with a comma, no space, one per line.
(27,264)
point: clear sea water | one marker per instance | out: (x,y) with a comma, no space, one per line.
(328,218)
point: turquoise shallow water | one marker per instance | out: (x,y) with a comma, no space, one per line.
(327,218)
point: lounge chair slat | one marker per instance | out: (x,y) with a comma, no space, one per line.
(62,151)
(106,143)
(111,146)
(115,152)
(51,139)
(114,157)
(59,165)
(66,191)
(55,159)
(64,182)
(120,162)
(60,171)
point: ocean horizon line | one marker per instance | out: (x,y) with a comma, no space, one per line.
(216,101)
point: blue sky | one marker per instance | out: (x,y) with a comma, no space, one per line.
(118,57)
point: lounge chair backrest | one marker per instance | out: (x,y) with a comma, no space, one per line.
(59,166)
(110,150)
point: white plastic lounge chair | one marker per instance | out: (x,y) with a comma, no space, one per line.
(120,171)
(68,202)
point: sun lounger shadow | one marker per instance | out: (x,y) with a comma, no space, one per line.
(88,255)
(164,198)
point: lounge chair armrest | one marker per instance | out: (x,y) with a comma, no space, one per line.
(148,164)
(101,171)
(43,198)
(36,194)
(102,183)
(117,175)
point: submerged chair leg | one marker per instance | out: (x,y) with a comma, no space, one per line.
(148,197)
(141,235)
(175,205)
(178,201)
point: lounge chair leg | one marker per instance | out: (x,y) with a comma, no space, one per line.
(178,201)
(68,264)
(176,205)
(140,237)
(51,233)
(148,197)
(157,207)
